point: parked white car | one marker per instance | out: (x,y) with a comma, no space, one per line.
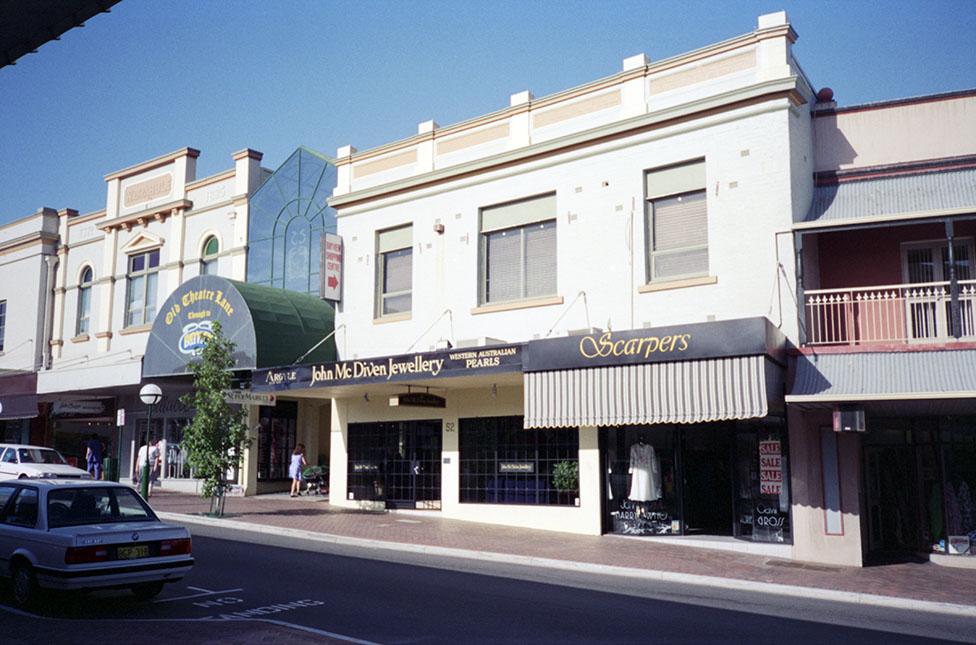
(22,462)
(70,534)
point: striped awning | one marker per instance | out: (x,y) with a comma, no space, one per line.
(714,389)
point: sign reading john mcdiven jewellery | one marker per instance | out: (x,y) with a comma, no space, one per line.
(405,367)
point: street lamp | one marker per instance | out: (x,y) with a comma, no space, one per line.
(150,395)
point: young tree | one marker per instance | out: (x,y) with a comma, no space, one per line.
(215,439)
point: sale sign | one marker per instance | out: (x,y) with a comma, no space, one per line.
(770,467)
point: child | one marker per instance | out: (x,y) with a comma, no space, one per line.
(295,469)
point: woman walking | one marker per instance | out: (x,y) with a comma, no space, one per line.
(295,469)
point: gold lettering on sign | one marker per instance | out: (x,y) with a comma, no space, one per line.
(605,345)
(148,190)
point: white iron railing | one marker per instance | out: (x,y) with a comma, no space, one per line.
(899,313)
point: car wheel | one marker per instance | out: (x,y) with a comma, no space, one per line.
(22,476)
(26,592)
(147,590)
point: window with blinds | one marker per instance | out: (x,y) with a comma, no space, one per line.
(518,250)
(394,271)
(677,222)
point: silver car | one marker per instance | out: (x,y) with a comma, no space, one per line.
(71,534)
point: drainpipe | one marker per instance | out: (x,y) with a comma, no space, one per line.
(48,312)
(955,321)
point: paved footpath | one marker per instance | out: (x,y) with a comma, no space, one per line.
(906,582)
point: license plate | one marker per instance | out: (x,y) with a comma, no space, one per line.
(132,552)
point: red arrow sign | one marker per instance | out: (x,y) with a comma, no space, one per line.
(333,282)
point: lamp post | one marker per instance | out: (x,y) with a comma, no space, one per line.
(150,395)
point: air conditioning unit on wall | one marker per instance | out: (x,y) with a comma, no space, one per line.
(849,418)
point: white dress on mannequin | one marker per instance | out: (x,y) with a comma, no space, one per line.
(645,473)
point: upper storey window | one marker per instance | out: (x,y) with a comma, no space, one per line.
(677,222)
(518,250)
(394,271)
(140,298)
(208,259)
(82,323)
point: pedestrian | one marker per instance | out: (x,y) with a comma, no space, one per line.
(153,451)
(295,469)
(93,455)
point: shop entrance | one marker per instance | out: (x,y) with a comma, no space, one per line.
(707,481)
(397,462)
(902,491)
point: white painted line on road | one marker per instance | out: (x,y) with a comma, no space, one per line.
(198,595)
(198,588)
(271,621)
(737,584)
(318,632)
(410,521)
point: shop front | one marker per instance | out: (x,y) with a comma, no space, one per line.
(268,327)
(692,436)
(910,451)
(685,437)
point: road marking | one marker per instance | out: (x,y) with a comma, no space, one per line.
(197,595)
(270,621)
(410,521)
(318,632)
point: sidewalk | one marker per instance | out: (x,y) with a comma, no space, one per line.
(924,582)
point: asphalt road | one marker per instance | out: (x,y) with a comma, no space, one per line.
(244,592)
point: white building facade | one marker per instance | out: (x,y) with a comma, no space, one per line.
(514,283)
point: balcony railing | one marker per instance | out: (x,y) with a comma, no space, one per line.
(900,313)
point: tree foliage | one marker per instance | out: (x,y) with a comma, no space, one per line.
(217,436)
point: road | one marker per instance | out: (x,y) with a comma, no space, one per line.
(257,593)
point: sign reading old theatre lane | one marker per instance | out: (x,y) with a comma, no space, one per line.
(464,362)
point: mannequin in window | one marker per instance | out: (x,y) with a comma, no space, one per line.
(645,472)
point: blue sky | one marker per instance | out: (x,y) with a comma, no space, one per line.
(151,77)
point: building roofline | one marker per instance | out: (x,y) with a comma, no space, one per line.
(889,103)
(153,163)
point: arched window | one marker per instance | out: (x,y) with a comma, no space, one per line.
(208,260)
(84,301)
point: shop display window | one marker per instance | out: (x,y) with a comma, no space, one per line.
(958,494)
(276,439)
(503,463)
(762,495)
(641,488)
(397,462)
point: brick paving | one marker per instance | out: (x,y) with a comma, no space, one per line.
(919,581)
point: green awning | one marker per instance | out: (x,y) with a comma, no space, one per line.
(269,326)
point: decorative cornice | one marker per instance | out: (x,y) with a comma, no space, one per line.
(212,179)
(784,88)
(87,217)
(27,240)
(141,218)
(67,212)
(739,42)
(153,163)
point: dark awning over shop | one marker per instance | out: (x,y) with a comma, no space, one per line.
(18,395)
(884,376)
(689,374)
(269,326)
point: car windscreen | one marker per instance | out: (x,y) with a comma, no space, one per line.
(76,506)
(40,456)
